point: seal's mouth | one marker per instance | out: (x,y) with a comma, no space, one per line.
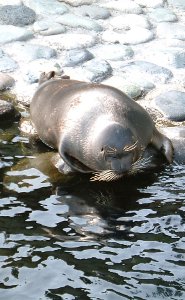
(111,175)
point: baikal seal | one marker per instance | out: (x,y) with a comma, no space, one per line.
(96,128)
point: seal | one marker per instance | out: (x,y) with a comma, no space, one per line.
(95,128)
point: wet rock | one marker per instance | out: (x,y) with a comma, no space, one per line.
(74,57)
(172,105)
(134,36)
(171,31)
(93,11)
(7,111)
(48,7)
(126,21)
(148,71)
(6,81)
(126,6)
(162,15)
(10,33)
(97,70)
(150,3)
(72,20)
(78,2)
(113,52)
(177,4)
(29,52)
(71,41)
(17,15)
(48,27)
(7,64)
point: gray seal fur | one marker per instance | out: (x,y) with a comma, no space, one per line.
(95,128)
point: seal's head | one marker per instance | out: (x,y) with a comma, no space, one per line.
(118,153)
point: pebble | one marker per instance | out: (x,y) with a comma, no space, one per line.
(46,7)
(93,12)
(78,2)
(126,21)
(97,70)
(150,3)
(113,52)
(163,15)
(17,15)
(169,56)
(6,81)
(72,20)
(75,57)
(148,71)
(7,64)
(7,111)
(180,4)
(172,105)
(171,31)
(48,27)
(126,6)
(10,33)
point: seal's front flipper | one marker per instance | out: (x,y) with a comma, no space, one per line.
(164,144)
(62,167)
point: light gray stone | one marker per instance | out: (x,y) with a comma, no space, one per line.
(6,81)
(47,7)
(93,11)
(48,27)
(177,4)
(72,20)
(113,52)
(17,15)
(134,36)
(172,105)
(150,3)
(126,6)
(126,21)
(148,71)
(171,30)
(28,52)
(169,56)
(10,33)
(75,57)
(78,2)
(162,15)
(97,70)
(7,64)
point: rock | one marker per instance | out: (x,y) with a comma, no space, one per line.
(17,15)
(97,70)
(48,27)
(177,4)
(162,15)
(169,56)
(93,12)
(172,105)
(10,33)
(134,36)
(7,64)
(6,81)
(69,41)
(29,52)
(74,57)
(7,111)
(72,20)
(123,85)
(150,3)
(126,21)
(113,52)
(46,7)
(171,31)
(147,70)
(78,2)
(126,6)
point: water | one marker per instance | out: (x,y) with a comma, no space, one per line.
(67,238)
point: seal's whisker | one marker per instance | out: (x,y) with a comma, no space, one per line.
(140,164)
(131,147)
(107,175)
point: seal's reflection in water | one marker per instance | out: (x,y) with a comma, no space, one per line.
(94,209)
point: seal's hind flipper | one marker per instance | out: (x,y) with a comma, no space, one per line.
(164,144)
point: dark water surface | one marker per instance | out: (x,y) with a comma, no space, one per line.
(66,238)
